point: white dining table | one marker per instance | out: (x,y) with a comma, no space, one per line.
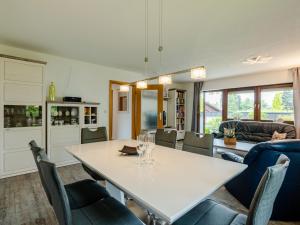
(175,183)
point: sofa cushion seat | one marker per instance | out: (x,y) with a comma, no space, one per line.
(210,212)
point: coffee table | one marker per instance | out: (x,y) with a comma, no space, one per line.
(241,148)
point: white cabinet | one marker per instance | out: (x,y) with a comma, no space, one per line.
(18,162)
(60,137)
(64,123)
(18,138)
(24,72)
(22,113)
(23,93)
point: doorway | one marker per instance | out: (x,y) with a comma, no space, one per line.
(120,111)
(148,109)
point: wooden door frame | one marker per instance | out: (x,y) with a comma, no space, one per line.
(110,113)
(136,107)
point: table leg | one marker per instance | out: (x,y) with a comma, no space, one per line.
(115,192)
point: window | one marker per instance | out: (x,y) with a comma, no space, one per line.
(241,105)
(261,103)
(277,104)
(212,111)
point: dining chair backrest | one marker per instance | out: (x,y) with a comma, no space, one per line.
(262,203)
(39,153)
(90,135)
(166,138)
(200,145)
(60,202)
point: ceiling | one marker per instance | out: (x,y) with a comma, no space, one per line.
(214,33)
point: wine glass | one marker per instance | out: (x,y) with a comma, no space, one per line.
(150,147)
(140,147)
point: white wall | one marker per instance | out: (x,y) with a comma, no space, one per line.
(77,78)
(256,79)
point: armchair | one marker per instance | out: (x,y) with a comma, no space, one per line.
(260,157)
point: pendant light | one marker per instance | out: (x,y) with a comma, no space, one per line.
(164,79)
(198,73)
(143,84)
(124,88)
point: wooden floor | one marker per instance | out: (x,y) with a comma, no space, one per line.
(23,201)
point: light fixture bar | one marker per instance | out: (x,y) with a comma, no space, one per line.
(171,74)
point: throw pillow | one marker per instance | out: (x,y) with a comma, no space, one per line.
(278,136)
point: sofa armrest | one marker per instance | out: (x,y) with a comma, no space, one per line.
(232,157)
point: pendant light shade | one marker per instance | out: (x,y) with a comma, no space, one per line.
(165,79)
(142,84)
(198,73)
(124,88)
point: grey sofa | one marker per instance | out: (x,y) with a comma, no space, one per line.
(256,131)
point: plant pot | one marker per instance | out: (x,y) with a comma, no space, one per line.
(229,141)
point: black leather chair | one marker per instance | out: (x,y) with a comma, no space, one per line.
(80,193)
(210,212)
(166,138)
(200,145)
(90,136)
(106,211)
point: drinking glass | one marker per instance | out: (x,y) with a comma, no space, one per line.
(150,147)
(141,145)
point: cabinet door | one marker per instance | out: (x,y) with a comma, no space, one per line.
(23,93)
(61,136)
(59,155)
(18,138)
(18,71)
(15,162)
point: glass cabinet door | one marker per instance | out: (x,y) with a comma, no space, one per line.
(64,115)
(22,116)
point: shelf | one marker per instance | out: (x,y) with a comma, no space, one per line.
(73,103)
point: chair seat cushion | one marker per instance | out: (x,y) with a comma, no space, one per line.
(210,212)
(107,211)
(84,192)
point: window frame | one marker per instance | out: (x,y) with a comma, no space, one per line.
(257,100)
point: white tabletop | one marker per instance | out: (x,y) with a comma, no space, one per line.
(176,182)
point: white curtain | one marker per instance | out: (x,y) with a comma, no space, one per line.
(296,87)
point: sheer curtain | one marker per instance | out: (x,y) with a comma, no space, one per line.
(196,107)
(296,87)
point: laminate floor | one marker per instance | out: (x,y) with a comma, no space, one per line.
(23,201)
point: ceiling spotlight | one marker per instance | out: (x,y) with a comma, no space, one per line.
(142,84)
(198,73)
(257,60)
(165,79)
(124,88)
